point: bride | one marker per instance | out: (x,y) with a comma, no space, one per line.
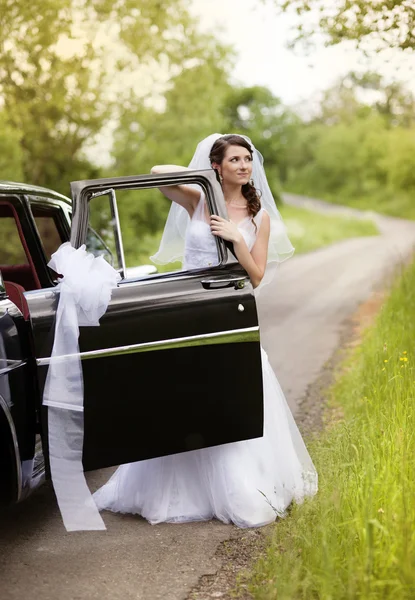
(251,482)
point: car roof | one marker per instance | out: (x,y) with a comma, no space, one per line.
(23,188)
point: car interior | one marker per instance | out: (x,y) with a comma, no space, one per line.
(16,264)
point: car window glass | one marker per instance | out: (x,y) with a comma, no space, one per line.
(94,242)
(11,247)
(97,246)
(48,220)
(48,233)
(142,215)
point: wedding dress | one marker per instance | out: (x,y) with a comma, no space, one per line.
(248,483)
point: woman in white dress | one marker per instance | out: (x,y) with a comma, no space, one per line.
(251,482)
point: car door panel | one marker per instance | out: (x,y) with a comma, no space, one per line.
(175,365)
(168,386)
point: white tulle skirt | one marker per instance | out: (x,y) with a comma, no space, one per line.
(248,483)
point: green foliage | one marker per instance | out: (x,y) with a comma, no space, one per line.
(257,113)
(11,154)
(389,24)
(345,156)
(147,136)
(342,155)
(60,61)
(11,249)
(400,164)
(356,539)
(69,69)
(355,153)
(343,101)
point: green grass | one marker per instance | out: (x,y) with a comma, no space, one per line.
(356,538)
(145,247)
(381,201)
(401,206)
(309,230)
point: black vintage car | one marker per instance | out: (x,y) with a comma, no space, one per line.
(175,363)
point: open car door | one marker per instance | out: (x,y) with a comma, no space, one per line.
(175,364)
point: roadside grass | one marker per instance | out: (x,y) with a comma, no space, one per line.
(400,206)
(309,230)
(146,246)
(356,538)
(381,201)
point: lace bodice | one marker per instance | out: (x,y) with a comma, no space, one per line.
(200,245)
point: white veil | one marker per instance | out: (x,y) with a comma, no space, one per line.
(172,242)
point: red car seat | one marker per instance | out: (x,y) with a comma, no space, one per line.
(16,295)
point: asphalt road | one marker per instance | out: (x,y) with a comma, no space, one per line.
(301,315)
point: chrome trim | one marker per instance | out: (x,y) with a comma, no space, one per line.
(140,271)
(184,275)
(233,336)
(4,406)
(206,178)
(116,227)
(178,276)
(8,307)
(7,365)
(238,282)
(225,279)
(3,293)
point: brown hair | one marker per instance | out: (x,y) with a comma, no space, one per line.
(217,154)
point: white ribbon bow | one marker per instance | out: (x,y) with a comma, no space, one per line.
(85,292)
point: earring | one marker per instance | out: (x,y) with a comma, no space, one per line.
(251,182)
(220,178)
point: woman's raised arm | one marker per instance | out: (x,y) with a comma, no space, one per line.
(181,194)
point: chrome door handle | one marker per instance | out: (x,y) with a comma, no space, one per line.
(237,282)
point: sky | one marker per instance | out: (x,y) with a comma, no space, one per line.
(260,38)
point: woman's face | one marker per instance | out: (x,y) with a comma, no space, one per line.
(236,166)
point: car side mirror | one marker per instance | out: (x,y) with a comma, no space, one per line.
(3,293)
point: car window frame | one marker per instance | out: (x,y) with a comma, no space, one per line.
(83,190)
(61,219)
(16,217)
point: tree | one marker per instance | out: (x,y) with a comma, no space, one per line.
(400,162)
(340,104)
(192,108)
(11,156)
(388,23)
(257,113)
(348,99)
(357,153)
(394,101)
(67,67)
